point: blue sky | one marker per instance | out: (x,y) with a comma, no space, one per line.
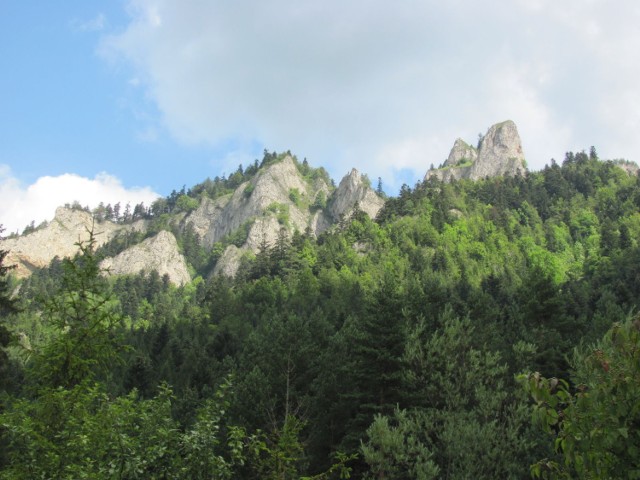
(67,110)
(125,100)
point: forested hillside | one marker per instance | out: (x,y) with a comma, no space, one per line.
(394,347)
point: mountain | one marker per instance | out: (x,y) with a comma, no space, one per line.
(217,225)
(438,305)
(498,154)
(277,199)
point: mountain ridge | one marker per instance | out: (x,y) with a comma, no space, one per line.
(227,220)
(277,197)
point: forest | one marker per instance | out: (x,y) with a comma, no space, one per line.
(480,330)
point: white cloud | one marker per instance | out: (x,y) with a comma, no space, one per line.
(22,204)
(385,86)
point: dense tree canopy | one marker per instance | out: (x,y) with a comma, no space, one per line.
(384,348)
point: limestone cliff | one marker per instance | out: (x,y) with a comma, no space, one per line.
(279,202)
(159,253)
(354,189)
(462,153)
(278,187)
(499,154)
(229,262)
(276,201)
(59,238)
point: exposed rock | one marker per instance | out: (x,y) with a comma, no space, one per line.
(500,154)
(271,191)
(277,200)
(59,239)
(204,218)
(264,229)
(319,222)
(454,212)
(159,253)
(461,153)
(354,189)
(448,174)
(229,263)
(273,186)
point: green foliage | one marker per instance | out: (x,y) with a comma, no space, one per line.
(295,196)
(396,451)
(8,305)
(312,175)
(594,424)
(85,320)
(82,433)
(465,423)
(320,202)
(186,204)
(119,243)
(281,211)
(201,454)
(239,236)
(397,338)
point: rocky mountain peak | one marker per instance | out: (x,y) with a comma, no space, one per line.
(461,153)
(354,188)
(499,154)
(277,187)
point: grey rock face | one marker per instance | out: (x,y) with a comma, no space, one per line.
(461,152)
(500,154)
(213,220)
(352,189)
(229,263)
(159,253)
(277,200)
(261,201)
(264,229)
(59,238)
(320,222)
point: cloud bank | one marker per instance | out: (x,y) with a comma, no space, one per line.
(389,86)
(20,205)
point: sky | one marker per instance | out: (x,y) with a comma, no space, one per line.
(126,100)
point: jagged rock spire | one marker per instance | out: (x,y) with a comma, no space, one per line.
(500,154)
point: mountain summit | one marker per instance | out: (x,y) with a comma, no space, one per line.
(499,153)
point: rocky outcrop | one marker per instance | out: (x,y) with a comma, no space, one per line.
(354,189)
(264,230)
(277,201)
(499,154)
(229,263)
(59,239)
(268,192)
(273,210)
(158,253)
(461,153)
